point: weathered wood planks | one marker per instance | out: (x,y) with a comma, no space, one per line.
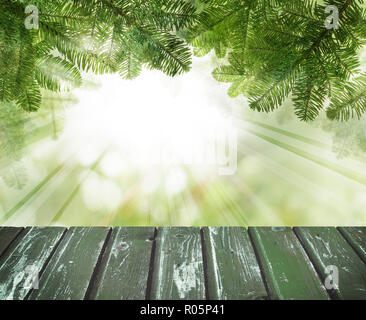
(7,235)
(178,265)
(328,249)
(231,265)
(356,236)
(287,269)
(21,267)
(124,269)
(181,263)
(69,272)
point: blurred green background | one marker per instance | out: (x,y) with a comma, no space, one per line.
(66,165)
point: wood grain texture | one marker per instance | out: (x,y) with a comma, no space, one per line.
(288,271)
(124,269)
(7,235)
(356,236)
(178,265)
(232,268)
(26,260)
(130,263)
(326,247)
(69,272)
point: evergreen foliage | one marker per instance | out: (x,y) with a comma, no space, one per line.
(281,48)
(12,140)
(87,35)
(275,49)
(349,138)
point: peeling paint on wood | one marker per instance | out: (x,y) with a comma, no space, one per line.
(132,264)
(30,253)
(287,269)
(124,269)
(232,268)
(7,235)
(326,247)
(178,266)
(356,236)
(68,274)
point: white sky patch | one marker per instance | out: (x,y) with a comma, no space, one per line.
(153,119)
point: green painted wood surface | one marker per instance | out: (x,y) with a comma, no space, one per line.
(129,263)
(287,269)
(232,268)
(25,260)
(356,236)
(7,235)
(178,265)
(327,247)
(69,272)
(124,269)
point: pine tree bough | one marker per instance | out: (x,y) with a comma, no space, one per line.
(275,49)
(283,49)
(89,35)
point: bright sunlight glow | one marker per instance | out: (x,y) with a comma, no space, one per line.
(151,120)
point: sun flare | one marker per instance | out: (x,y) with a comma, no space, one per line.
(152,121)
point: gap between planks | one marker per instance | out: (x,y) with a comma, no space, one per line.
(97,266)
(23,232)
(48,260)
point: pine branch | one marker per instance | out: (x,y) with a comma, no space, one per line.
(349,101)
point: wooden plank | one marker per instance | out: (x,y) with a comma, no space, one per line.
(287,269)
(326,247)
(232,268)
(125,266)
(178,266)
(69,272)
(26,261)
(7,235)
(356,236)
